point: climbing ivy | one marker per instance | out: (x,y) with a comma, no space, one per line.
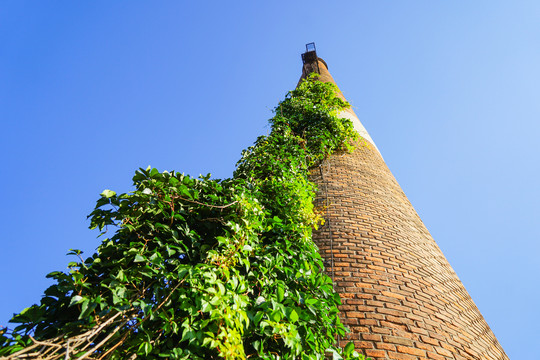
(205,269)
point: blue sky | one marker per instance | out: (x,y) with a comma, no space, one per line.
(91,91)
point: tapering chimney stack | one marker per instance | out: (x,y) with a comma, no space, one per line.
(401,298)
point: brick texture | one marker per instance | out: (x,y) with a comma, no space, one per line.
(401,298)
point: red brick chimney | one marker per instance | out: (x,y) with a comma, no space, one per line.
(401,298)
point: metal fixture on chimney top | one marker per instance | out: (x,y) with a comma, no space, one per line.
(310,59)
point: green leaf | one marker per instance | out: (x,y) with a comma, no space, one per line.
(154,173)
(349,348)
(139,258)
(293,316)
(335,354)
(280,292)
(145,348)
(275,316)
(87,307)
(77,299)
(221,288)
(108,193)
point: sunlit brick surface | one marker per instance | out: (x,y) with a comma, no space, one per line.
(401,299)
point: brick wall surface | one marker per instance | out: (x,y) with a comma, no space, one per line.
(400,297)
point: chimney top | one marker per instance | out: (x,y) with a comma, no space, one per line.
(310,56)
(310,60)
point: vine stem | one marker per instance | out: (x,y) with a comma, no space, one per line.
(208,205)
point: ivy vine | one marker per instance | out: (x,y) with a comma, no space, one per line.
(205,269)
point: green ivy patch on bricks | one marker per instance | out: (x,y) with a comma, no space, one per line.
(205,269)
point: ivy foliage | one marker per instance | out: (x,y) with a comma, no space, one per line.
(206,269)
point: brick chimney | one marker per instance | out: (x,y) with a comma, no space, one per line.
(401,298)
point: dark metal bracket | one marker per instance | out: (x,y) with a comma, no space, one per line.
(310,59)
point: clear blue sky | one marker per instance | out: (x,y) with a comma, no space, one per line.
(449,91)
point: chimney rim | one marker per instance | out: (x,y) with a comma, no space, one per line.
(324,62)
